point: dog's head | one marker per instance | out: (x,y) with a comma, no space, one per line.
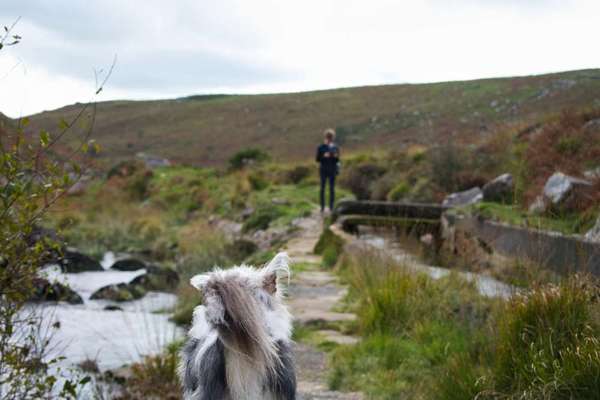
(235,292)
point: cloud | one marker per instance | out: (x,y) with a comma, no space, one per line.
(186,46)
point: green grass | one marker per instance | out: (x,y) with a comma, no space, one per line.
(329,246)
(439,339)
(548,346)
(411,326)
(515,215)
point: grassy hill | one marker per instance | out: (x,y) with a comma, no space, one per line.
(207,130)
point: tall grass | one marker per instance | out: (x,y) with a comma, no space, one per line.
(411,325)
(548,346)
(439,339)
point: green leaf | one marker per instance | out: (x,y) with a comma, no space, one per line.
(76,167)
(63,124)
(44,138)
(24,121)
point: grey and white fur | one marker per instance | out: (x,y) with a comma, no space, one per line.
(239,346)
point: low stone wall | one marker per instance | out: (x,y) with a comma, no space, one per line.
(562,254)
(390,209)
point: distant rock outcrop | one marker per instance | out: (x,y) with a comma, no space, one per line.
(500,189)
(465,198)
(152,161)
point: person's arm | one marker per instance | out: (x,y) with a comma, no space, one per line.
(336,154)
(319,154)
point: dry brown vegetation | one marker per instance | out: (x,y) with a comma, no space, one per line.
(207,130)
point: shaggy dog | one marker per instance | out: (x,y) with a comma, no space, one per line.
(239,346)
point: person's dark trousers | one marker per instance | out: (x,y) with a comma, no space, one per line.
(327,177)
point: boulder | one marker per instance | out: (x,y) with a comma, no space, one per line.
(72,261)
(538,206)
(157,278)
(247,212)
(471,196)
(152,161)
(112,307)
(592,126)
(427,239)
(119,292)
(564,191)
(43,290)
(128,264)
(126,169)
(594,233)
(500,189)
(592,174)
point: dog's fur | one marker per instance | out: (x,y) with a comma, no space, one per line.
(239,346)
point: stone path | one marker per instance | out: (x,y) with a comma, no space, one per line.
(313,297)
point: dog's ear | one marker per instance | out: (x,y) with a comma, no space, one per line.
(199,281)
(279,263)
(270,282)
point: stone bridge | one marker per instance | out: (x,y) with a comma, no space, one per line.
(421,217)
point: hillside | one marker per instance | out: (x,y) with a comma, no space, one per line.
(206,130)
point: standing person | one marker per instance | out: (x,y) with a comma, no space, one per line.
(328,156)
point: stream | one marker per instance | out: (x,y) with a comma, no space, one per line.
(401,252)
(111,338)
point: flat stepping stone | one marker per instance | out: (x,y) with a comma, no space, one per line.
(305,258)
(336,337)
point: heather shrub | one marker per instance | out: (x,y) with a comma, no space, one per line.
(359,179)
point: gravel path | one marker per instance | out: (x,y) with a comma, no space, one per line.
(313,296)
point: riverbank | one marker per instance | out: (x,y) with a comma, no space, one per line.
(429,333)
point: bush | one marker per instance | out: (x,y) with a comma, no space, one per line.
(399,192)
(561,145)
(261,219)
(446,164)
(382,186)
(257,181)
(247,157)
(297,174)
(548,344)
(330,247)
(330,256)
(359,179)
(240,249)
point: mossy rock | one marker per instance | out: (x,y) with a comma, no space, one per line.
(128,264)
(119,292)
(157,278)
(46,291)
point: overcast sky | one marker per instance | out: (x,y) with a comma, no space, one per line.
(182,47)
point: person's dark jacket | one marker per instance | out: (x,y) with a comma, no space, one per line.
(329,164)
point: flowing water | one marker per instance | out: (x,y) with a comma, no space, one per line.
(111,338)
(402,252)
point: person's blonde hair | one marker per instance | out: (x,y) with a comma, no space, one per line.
(329,133)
